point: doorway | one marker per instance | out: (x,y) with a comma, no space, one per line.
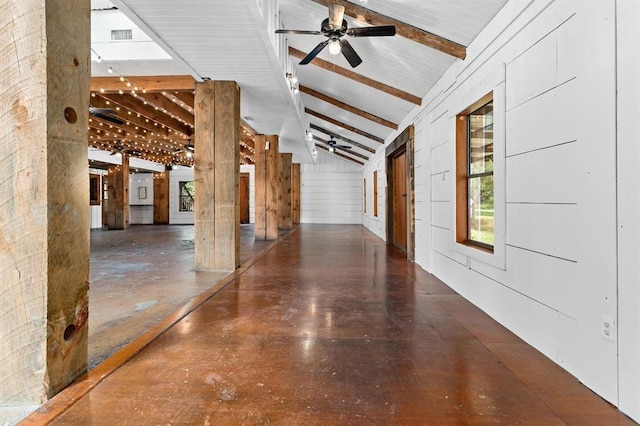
(399,200)
(400,192)
(244,198)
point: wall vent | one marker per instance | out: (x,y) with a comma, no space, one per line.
(119,35)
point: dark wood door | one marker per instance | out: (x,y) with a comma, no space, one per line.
(244,198)
(399,170)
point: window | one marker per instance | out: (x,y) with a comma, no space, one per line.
(365,194)
(475,184)
(187,192)
(375,193)
(119,35)
(94,190)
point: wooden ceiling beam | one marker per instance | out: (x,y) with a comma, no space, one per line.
(187,97)
(353,160)
(337,136)
(121,129)
(162,103)
(343,125)
(330,66)
(347,107)
(173,83)
(356,154)
(129,102)
(403,29)
(123,113)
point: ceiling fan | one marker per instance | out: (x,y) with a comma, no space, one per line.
(333,144)
(120,148)
(106,114)
(334,28)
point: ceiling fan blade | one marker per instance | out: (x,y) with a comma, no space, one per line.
(304,32)
(380,31)
(336,14)
(314,53)
(350,54)
(343,146)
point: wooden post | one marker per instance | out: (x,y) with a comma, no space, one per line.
(118,190)
(44,212)
(284,191)
(161,198)
(217,176)
(295,194)
(266,178)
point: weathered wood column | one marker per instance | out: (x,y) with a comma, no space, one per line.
(295,194)
(118,190)
(44,199)
(284,192)
(217,176)
(161,198)
(266,181)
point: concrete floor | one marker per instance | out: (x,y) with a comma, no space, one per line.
(141,275)
(330,327)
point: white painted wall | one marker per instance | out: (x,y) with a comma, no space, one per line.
(185,174)
(629,205)
(552,67)
(377,224)
(95,212)
(330,191)
(141,199)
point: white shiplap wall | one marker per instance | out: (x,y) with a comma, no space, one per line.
(553,64)
(330,191)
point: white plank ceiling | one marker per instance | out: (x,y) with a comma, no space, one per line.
(228,40)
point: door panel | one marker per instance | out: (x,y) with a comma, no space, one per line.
(244,198)
(399,168)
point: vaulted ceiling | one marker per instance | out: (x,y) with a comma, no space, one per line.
(231,40)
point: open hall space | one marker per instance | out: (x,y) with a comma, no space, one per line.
(319,211)
(331,326)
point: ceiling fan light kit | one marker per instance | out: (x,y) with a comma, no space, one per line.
(334,28)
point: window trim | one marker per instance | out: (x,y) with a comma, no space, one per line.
(459,243)
(462,174)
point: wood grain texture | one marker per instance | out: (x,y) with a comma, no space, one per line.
(148,83)
(285,219)
(161,198)
(295,193)
(347,107)
(227,175)
(204,176)
(217,170)
(260,227)
(272,188)
(330,66)
(117,205)
(403,29)
(44,215)
(344,125)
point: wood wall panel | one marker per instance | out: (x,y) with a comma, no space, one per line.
(161,198)
(272,188)
(295,194)
(285,219)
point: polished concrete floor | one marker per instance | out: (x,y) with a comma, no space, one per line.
(330,327)
(141,275)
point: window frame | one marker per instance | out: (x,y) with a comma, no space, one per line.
(459,242)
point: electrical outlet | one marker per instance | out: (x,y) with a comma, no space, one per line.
(608,329)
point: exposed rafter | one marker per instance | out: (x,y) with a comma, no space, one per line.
(347,107)
(330,66)
(337,136)
(403,29)
(174,83)
(344,125)
(338,154)
(355,154)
